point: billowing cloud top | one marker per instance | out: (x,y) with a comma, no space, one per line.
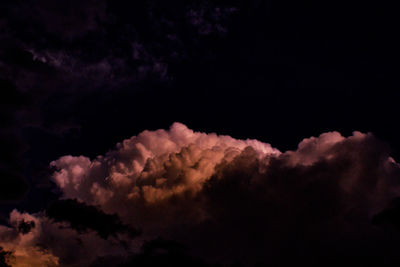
(226,199)
(149,169)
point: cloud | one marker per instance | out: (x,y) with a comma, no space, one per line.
(308,205)
(52,242)
(146,171)
(22,244)
(228,200)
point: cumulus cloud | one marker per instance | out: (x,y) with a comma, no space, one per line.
(226,199)
(147,171)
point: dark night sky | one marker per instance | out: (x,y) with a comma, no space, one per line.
(77,77)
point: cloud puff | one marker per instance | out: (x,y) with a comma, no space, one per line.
(226,199)
(25,251)
(313,205)
(56,242)
(146,171)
